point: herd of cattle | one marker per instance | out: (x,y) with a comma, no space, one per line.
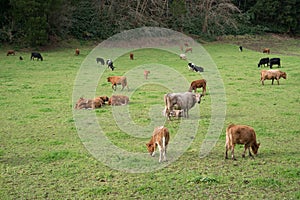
(179,104)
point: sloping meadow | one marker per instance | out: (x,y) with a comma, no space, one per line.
(44,154)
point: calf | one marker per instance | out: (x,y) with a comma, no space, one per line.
(271,74)
(266,50)
(77,52)
(146,73)
(118,100)
(263,61)
(274,61)
(240,134)
(36,55)
(10,52)
(198,84)
(118,80)
(100,60)
(160,137)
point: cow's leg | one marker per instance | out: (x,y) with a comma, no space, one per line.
(160,152)
(277,80)
(226,151)
(272,81)
(245,149)
(232,153)
(250,153)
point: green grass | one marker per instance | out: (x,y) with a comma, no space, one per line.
(43,157)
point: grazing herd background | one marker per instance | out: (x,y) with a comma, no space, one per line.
(42,156)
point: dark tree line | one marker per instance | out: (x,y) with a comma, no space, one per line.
(39,22)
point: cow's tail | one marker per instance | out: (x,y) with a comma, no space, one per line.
(191,89)
(167,105)
(229,136)
(125,82)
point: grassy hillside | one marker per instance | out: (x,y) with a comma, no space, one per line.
(42,156)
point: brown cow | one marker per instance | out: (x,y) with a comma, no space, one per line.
(118,80)
(160,137)
(240,134)
(271,74)
(131,56)
(97,102)
(146,73)
(198,84)
(266,50)
(118,100)
(77,52)
(10,52)
(188,49)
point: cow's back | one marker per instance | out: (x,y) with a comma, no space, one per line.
(241,134)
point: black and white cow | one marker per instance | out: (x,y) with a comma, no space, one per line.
(195,68)
(110,64)
(36,55)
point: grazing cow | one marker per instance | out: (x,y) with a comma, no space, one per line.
(110,64)
(131,56)
(241,48)
(36,55)
(118,80)
(160,137)
(240,134)
(146,73)
(274,61)
(77,52)
(263,61)
(97,102)
(10,52)
(195,68)
(188,49)
(118,100)
(100,60)
(182,56)
(266,50)
(184,101)
(271,74)
(198,84)
(21,58)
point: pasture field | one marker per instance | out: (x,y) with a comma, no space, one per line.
(42,156)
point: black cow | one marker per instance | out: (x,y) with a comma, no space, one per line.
(36,55)
(274,61)
(263,61)
(101,60)
(195,68)
(110,64)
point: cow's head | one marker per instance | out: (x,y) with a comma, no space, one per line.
(255,147)
(198,97)
(150,147)
(104,98)
(283,75)
(108,79)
